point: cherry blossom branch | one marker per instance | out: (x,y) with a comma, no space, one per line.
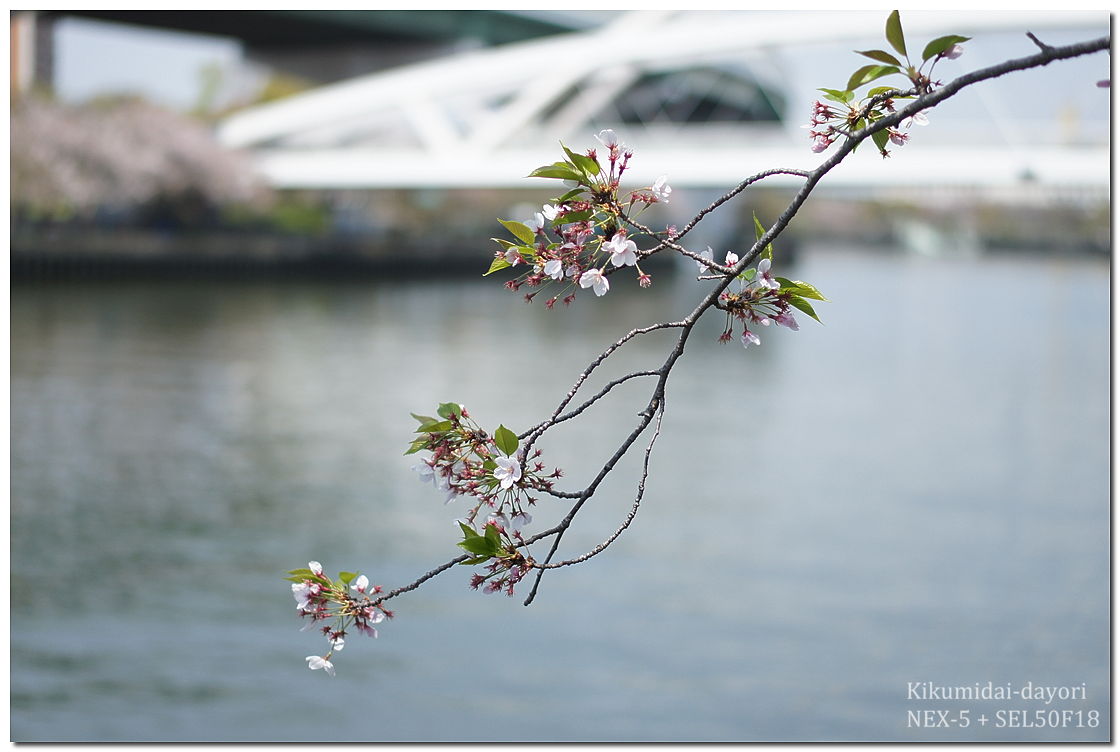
(461,441)
(633,509)
(599,395)
(535,432)
(812,178)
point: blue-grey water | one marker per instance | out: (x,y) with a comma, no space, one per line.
(916,492)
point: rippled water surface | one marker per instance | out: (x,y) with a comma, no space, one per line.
(917,491)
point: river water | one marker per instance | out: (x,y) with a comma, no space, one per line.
(914,495)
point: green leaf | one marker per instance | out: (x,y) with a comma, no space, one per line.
(497,265)
(493,536)
(505,244)
(417,445)
(894,33)
(434,426)
(528,253)
(580,216)
(561,170)
(880,139)
(869,73)
(804,306)
(939,45)
(583,162)
(422,419)
(449,409)
(881,55)
(759,231)
(506,440)
(468,531)
(574,193)
(520,231)
(476,560)
(797,287)
(843,97)
(345,577)
(305,572)
(880,90)
(480,546)
(748,274)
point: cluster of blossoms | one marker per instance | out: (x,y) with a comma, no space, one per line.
(498,550)
(335,606)
(468,462)
(827,122)
(578,238)
(762,298)
(759,301)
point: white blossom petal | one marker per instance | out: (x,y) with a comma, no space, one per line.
(315,662)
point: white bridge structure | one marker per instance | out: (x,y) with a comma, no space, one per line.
(707,97)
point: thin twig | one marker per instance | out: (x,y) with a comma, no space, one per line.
(633,510)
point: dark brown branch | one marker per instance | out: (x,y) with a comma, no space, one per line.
(1041,45)
(655,406)
(633,510)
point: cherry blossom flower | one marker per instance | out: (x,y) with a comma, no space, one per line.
(622,250)
(550,212)
(785,318)
(609,139)
(498,520)
(820,143)
(304,592)
(338,643)
(315,662)
(918,118)
(953,52)
(513,257)
(519,520)
(426,472)
(661,189)
(594,278)
(361,584)
(554,268)
(508,471)
(765,279)
(898,138)
(731,259)
(705,254)
(536,224)
(315,567)
(750,338)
